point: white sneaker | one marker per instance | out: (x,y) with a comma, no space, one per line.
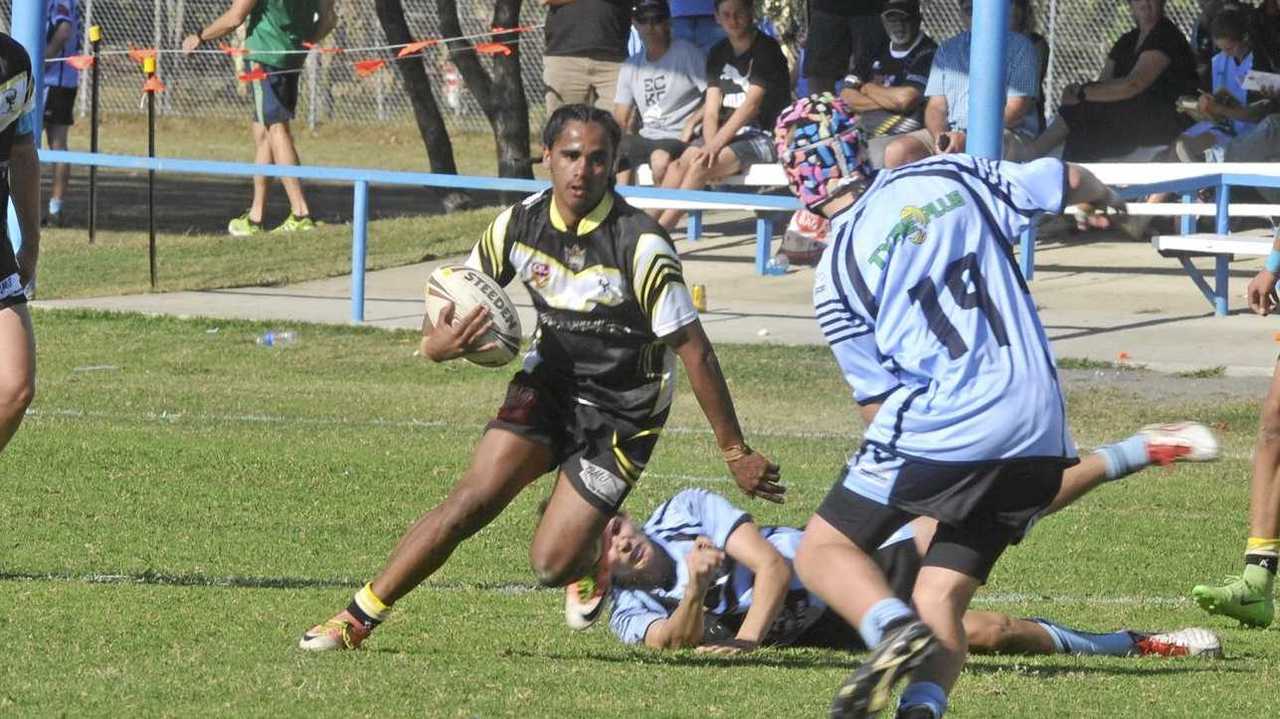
(1189,642)
(1179,442)
(584,601)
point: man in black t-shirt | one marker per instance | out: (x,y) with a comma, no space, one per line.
(844,36)
(748,84)
(586,45)
(891,100)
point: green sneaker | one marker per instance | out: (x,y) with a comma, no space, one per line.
(1248,599)
(242,226)
(293,223)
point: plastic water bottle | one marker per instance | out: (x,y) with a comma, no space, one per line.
(277,338)
(778,265)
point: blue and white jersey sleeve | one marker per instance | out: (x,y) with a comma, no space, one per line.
(693,512)
(634,612)
(851,335)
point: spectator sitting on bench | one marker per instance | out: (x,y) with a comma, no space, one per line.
(747,86)
(1022,20)
(1132,104)
(665,81)
(1235,112)
(946,113)
(891,101)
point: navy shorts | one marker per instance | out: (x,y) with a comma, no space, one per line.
(602,454)
(275,97)
(635,150)
(981,508)
(59,106)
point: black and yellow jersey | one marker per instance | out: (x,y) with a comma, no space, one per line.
(605,293)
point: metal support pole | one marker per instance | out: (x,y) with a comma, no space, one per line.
(95,40)
(359,244)
(1221,265)
(82,99)
(27,27)
(693,228)
(764,240)
(987,78)
(149,67)
(313,66)
(1187,223)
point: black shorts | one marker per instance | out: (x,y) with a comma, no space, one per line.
(275,98)
(981,509)
(59,106)
(840,44)
(602,454)
(10,286)
(635,150)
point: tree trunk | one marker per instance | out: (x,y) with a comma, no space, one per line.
(501,97)
(425,110)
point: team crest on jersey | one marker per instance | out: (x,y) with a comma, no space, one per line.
(575,256)
(912,223)
(540,274)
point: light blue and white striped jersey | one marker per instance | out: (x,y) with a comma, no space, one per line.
(921,300)
(673,527)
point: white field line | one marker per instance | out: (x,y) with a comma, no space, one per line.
(246,582)
(176,417)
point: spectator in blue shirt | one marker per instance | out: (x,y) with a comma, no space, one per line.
(946,114)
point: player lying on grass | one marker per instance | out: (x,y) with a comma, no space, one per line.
(613,315)
(701,573)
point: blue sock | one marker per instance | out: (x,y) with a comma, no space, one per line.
(882,613)
(55,205)
(1073,641)
(1125,457)
(924,694)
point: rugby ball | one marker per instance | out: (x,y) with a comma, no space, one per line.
(467,287)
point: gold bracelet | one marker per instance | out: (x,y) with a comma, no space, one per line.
(735,452)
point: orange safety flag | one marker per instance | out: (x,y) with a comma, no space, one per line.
(368,67)
(80,62)
(233,51)
(153,84)
(498,29)
(414,47)
(493,48)
(252,75)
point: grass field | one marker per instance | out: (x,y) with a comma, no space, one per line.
(183,504)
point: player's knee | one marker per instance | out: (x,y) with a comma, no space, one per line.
(902,151)
(988,632)
(15,396)
(1269,421)
(554,568)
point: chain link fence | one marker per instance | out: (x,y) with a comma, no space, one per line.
(1080,32)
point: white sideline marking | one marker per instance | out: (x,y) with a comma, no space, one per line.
(1075,599)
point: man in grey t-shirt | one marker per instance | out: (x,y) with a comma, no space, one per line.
(665,81)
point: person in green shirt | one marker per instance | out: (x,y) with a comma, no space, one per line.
(275,35)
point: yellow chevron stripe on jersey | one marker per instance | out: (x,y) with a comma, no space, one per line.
(588,223)
(564,289)
(492,246)
(662,272)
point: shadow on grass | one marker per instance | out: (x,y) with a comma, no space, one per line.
(234,581)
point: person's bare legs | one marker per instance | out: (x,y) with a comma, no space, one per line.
(1055,134)
(57,135)
(941,597)
(995,633)
(904,150)
(697,175)
(502,465)
(834,568)
(566,543)
(262,155)
(659,161)
(285,152)
(17,369)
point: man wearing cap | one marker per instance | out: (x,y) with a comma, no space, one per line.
(891,101)
(665,82)
(946,112)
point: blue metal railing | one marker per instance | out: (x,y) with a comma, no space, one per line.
(362,178)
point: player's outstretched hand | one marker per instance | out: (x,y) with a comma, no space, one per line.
(728,646)
(448,340)
(1262,293)
(755,474)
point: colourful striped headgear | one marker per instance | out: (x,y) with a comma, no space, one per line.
(821,149)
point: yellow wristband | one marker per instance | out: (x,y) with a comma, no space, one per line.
(735,452)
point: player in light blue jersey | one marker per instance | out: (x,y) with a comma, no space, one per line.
(701,573)
(921,300)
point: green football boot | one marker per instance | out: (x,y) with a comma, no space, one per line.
(242,226)
(293,223)
(1248,598)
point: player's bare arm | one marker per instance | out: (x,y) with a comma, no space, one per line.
(24,186)
(747,546)
(225,24)
(1262,288)
(684,627)
(449,340)
(753,472)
